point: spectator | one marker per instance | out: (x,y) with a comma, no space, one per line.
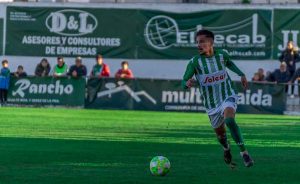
(280,75)
(269,77)
(255,78)
(20,72)
(296,80)
(43,68)
(60,69)
(77,70)
(124,72)
(290,56)
(100,69)
(261,74)
(4,82)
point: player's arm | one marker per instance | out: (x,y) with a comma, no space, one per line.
(231,66)
(187,81)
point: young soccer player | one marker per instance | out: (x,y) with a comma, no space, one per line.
(218,94)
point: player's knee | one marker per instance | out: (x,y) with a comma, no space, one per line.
(229,112)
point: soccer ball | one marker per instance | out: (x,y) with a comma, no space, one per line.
(159,166)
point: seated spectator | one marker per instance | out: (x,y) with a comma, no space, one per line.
(60,69)
(124,72)
(20,72)
(77,70)
(280,75)
(255,78)
(261,74)
(4,82)
(100,69)
(43,68)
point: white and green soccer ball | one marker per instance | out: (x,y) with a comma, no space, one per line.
(160,166)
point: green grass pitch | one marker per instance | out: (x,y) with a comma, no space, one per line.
(100,146)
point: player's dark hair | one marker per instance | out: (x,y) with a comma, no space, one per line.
(207,33)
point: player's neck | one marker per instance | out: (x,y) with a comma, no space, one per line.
(210,53)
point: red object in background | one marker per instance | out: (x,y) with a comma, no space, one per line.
(124,74)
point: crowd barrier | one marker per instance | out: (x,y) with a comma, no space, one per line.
(136,94)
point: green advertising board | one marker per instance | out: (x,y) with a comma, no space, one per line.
(246,34)
(134,33)
(1,36)
(286,28)
(38,31)
(47,91)
(167,95)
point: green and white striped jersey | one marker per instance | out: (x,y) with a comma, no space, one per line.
(210,72)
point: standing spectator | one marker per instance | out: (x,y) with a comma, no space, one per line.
(290,56)
(4,82)
(280,75)
(77,70)
(61,69)
(124,72)
(20,72)
(43,68)
(100,69)
(296,80)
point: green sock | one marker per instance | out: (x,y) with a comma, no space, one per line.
(235,133)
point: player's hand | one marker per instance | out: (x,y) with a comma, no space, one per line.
(244,82)
(190,83)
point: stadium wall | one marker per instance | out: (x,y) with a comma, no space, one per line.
(142,68)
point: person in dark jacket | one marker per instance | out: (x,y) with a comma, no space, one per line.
(20,72)
(296,80)
(4,82)
(43,68)
(280,75)
(290,56)
(77,70)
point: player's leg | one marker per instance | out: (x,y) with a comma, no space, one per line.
(229,119)
(217,123)
(222,138)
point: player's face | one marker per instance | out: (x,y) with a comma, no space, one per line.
(204,44)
